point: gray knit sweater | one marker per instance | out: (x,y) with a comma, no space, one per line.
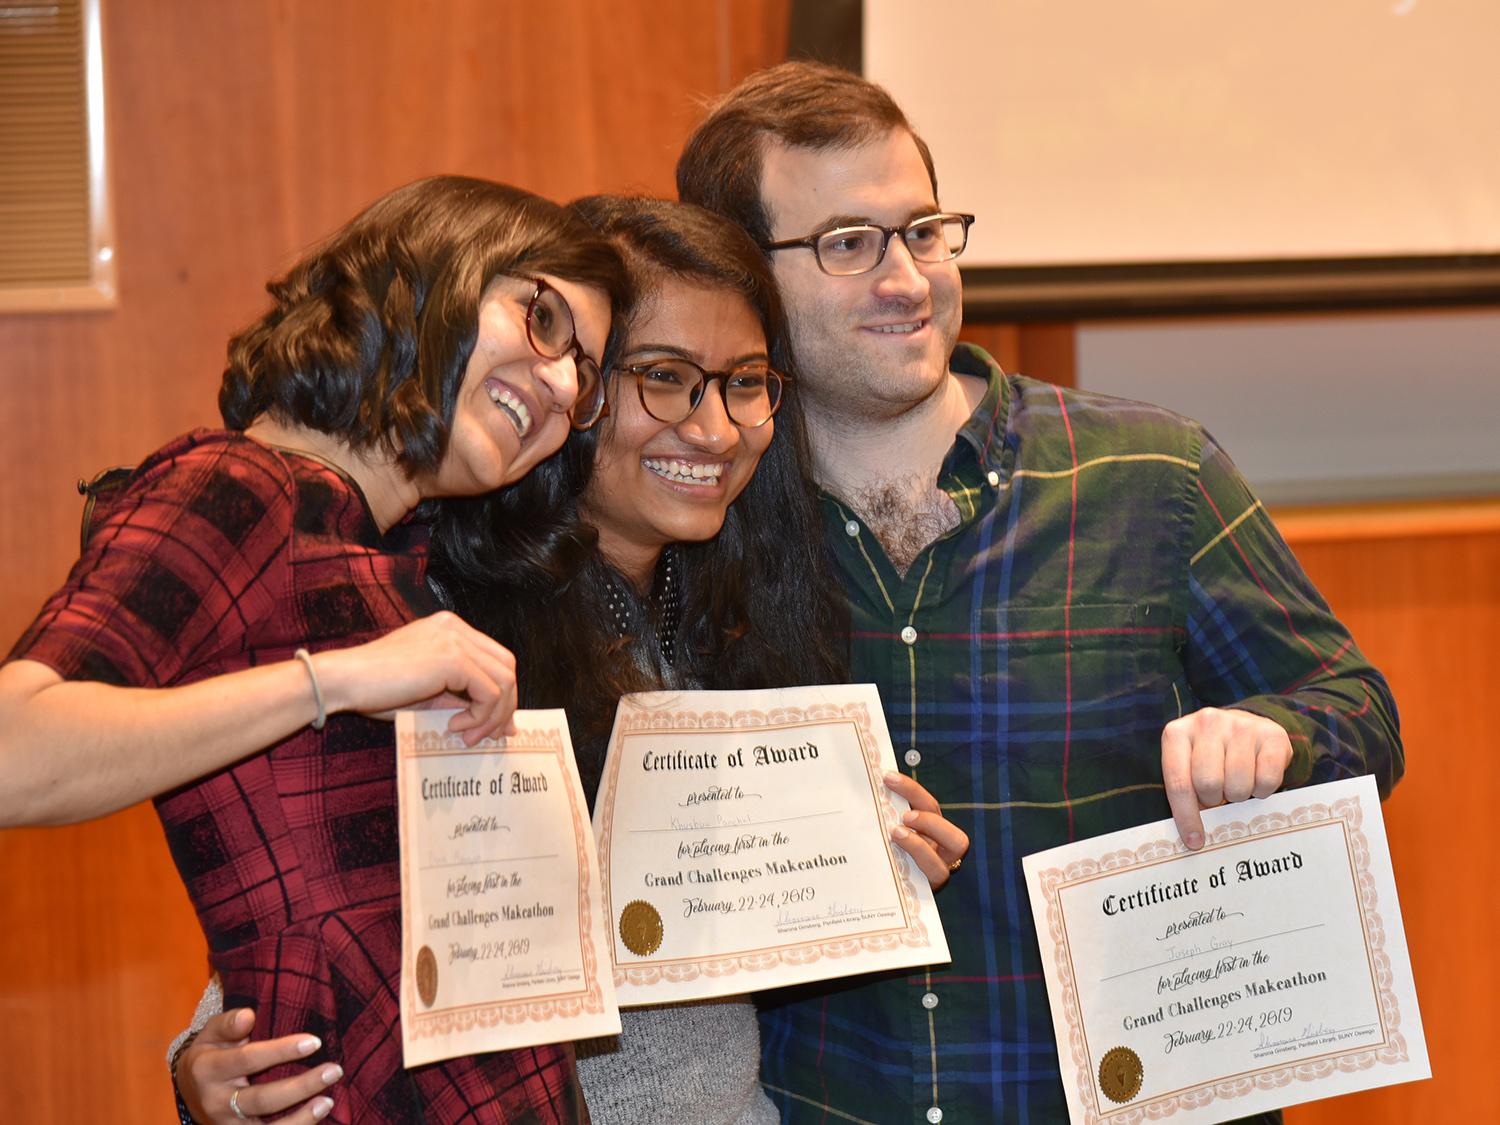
(697,1063)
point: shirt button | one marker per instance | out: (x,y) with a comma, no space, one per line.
(929,1000)
(851,529)
(994,479)
(934,1115)
(912,757)
(909,635)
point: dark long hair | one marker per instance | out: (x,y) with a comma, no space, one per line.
(758,606)
(368,336)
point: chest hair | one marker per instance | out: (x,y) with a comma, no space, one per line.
(906,516)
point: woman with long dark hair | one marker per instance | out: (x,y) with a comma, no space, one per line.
(252,605)
(661,551)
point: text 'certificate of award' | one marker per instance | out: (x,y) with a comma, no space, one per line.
(745,843)
(1267,969)
(503,941)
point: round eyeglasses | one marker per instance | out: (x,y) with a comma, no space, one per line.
(671,389)
(551,332)
(844,251)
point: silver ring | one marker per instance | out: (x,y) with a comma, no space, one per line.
(234,1104)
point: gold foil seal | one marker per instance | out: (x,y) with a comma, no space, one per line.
(640,928)
(426,976)
(1120,1074)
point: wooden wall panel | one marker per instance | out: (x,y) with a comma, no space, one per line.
(1426,609)
(1042,350)
(101,964)
(239,133)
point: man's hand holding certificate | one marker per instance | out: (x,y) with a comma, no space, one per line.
(744,839)
(1267,969)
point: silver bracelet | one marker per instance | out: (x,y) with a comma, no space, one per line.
(312,673)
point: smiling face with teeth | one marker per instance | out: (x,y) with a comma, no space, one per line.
(511,408)
(874,345)
(657,483)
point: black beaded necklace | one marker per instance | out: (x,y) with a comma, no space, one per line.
(664,605)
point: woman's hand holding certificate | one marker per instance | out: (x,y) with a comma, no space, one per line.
(744,839)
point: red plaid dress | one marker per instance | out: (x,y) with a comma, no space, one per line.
(218,555)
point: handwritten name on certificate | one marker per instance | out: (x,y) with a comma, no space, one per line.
(1267,969)
(745,842)
(502,935)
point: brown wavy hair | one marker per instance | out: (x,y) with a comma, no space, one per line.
(368,336)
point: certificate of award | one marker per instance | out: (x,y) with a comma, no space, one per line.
(745,843)
(1267,969)
(502,937)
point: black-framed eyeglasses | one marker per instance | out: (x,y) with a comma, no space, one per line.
(844,251)
(671,389)
(552,334)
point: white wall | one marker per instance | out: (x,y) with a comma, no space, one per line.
(1118,131)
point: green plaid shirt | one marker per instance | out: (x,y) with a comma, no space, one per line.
(1111,571)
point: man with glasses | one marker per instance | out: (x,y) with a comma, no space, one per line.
(1079,617)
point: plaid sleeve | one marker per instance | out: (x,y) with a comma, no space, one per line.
(1261,638)
(188,557)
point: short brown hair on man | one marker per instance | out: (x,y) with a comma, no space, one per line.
(799,104)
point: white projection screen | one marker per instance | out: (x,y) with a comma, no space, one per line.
(1183,155)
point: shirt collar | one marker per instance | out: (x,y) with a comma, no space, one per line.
(984,432)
